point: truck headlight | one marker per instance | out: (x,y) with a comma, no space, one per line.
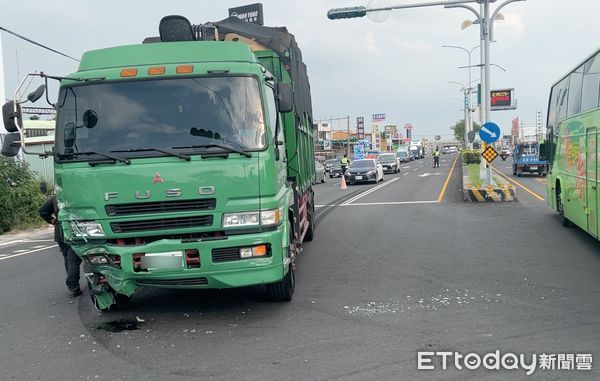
(266,217)
(87,229)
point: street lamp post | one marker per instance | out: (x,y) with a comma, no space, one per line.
(486,28)
(469,119)
(486,24)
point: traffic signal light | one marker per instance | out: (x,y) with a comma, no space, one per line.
(347,13)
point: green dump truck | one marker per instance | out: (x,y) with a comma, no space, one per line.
(185,161)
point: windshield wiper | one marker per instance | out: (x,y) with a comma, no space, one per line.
(218,145)
(171,153)
(111,157)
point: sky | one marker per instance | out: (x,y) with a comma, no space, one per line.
(356,67)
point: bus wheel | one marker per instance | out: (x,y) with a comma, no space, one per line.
(561,210)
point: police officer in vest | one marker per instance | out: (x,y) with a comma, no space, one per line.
(345,163)
(436,158)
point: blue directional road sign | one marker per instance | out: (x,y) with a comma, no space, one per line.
(489,132)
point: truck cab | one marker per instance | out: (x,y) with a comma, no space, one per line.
(187,161)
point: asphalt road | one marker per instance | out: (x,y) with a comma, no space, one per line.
(407,267)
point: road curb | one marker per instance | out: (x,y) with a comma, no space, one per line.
(501,193)
(25,234)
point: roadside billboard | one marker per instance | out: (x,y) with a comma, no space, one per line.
(502,99)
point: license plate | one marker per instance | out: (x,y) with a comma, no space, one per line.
(166,260)
(358,177)
(534,167)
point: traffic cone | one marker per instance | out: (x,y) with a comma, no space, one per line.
(343,183)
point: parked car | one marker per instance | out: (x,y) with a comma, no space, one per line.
(403,156)
(366,170)
(446,150)
(453,149)
(335,170)
(329,163)
(389,162)
(319,172)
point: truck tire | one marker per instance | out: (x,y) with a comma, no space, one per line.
(283,290)
(310,231)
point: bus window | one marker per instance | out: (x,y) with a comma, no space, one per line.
(575,84)
(552,107)
(591,83)
(561,101)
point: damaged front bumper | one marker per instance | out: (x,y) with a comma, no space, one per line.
(233,261)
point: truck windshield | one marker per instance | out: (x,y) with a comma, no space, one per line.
(161,114)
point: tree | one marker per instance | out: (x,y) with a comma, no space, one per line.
(459,129)
(20,195)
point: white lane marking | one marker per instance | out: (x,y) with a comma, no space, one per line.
(27,252)
(36,247)
(391,203)
(38,240)
(415,169)
(404,174)
(21,251)
(369,191)
(406,167)
(427,174)
(378,203)
(11,242)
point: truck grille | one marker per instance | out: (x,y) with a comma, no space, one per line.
(160,207)
(225,254)
(165,223)
(173,282)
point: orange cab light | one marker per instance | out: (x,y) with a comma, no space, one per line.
(156,70)
(131,72)
(260,251)
(184,69)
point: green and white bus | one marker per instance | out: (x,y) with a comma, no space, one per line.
(572,146)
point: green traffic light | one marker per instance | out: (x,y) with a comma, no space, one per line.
(347,13)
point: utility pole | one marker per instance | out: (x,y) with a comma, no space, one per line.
(2,89)
(348,131)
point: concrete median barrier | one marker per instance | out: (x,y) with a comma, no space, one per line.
(473,191)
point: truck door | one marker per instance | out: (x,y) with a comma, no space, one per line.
(592,180)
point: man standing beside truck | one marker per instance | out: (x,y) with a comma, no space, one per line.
(49,212)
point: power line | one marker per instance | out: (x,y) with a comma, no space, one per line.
(38,44)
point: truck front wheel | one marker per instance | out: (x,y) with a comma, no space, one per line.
(283,290)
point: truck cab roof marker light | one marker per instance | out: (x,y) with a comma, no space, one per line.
(130,72)
(184,69)
(156,70)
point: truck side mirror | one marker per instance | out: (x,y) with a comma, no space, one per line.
(69,135)
(285,97)
(11,145)
(37,94)
(13,121)
(543,152)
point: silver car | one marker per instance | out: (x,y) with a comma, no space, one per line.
(319,172)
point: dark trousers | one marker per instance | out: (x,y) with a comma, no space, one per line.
(344,169)
(72,263)
(436,162)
